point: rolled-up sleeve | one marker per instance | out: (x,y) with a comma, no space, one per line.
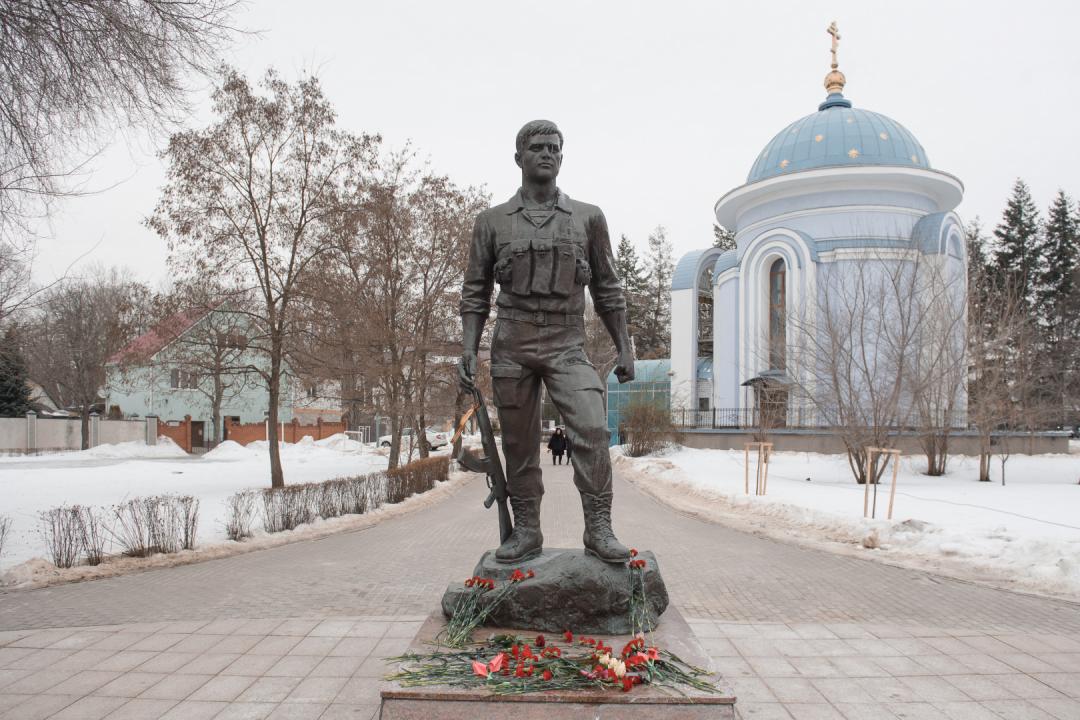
(480,273)
(606,288)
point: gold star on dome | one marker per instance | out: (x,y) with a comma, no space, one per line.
(853,153)
(884,136)
(819,138)
(784,164)
(850,120)
(915,159)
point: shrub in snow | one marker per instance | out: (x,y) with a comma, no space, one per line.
(416,477)
(92,534)
(5,528)
(157,524)
(59,528)
(286,508)
(240,514)
(647,428)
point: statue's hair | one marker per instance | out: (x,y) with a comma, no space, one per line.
(537,127)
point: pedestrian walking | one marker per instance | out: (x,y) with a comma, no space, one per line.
(557,446)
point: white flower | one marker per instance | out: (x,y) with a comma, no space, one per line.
(619,667)
(605,660)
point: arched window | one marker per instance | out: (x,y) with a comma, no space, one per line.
(777,315)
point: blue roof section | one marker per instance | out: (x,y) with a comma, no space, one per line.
(728,260)
(689,265)
(838,136)
(646,371)
(927,233)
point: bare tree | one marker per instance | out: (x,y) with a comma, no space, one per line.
(860,338)
(78,325)
(257,197)
(73,71)
(937,369)
(1001,340)
(402,263)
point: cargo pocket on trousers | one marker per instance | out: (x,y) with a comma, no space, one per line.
(505,390)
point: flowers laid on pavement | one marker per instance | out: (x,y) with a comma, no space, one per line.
(509,665)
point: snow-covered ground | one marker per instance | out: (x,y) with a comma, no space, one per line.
(1025,534)
(109,474)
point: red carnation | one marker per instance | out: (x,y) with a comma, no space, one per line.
(547,674)
(569,636)
(479,668)
(627,683)
(496,663)
(540,641)
(633,552)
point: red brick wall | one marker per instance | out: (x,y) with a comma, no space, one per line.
(177,431)
(292,432)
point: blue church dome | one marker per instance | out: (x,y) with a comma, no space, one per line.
(838,135)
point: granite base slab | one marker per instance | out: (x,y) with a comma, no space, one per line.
(657,703)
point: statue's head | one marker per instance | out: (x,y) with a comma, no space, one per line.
(539,150)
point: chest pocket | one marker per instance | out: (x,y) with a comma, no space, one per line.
(544,266)
(569,262)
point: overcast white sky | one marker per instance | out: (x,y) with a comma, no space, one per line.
(664,105)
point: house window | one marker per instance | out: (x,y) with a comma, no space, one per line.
(235,341)
(777,316)
(182,379)
(312,391)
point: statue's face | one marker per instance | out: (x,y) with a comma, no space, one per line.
(541,159)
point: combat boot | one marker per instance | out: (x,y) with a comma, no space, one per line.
(526,541)
(599,538)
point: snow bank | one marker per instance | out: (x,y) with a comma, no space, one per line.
(1024,534)
(342,443)
(38,572)
(134,449)
(108,475)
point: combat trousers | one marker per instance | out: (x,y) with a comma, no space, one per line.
(522,355)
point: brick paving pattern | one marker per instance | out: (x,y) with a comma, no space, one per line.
(300,631)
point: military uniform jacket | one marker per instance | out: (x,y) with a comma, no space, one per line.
(542,261)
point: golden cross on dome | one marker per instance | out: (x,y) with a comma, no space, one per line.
(835,32)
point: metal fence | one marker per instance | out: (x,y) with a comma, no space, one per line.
(778,417)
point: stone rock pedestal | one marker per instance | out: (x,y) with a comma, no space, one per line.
(572,590)
(641,703)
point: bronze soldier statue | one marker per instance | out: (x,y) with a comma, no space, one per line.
(544,249)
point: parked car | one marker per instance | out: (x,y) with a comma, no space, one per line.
(436,438)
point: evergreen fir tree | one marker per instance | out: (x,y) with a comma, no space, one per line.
(1061,257)
(14,389)
(628,265)
(723,238)
(655,341)
(1059,305)
(1016,258)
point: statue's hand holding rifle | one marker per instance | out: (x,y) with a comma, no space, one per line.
(489,464)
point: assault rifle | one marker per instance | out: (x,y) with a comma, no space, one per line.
(489,463)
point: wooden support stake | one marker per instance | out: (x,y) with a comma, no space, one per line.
(746,466)
(761,471)
(866,486)
(895,471)
(894,456)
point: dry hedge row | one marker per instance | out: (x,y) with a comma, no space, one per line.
(168,523)
(287,507)
(140,527)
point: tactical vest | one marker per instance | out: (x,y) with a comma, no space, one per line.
(546,261)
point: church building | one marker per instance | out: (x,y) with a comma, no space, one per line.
(834,195)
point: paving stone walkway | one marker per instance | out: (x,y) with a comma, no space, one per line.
(300,631)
